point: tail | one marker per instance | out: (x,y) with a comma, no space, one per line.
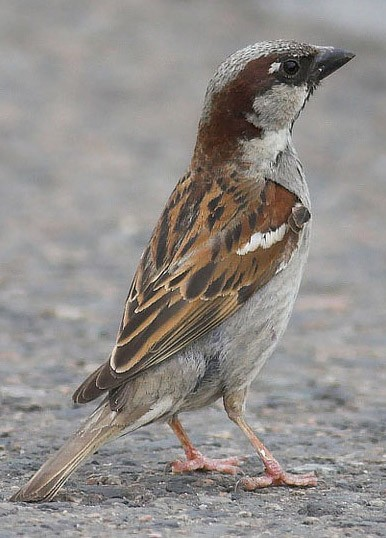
(98,428)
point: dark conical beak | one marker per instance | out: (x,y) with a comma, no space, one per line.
(329,60)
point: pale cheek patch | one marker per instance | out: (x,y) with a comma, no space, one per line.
(263,240)
(275,66)
(279,106)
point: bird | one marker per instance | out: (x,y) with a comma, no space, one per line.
(217,282)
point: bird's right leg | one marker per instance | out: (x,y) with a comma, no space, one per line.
(274,474)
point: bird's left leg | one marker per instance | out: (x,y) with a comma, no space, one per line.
(274,475)
(195,461)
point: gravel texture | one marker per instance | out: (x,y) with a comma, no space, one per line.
(99,103)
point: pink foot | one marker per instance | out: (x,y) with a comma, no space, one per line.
(275,476)
(198,462)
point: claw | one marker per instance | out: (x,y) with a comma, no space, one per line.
(202,463)
(280,478)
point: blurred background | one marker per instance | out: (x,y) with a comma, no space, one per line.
(99,103)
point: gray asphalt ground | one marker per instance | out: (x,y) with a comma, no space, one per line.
(99,103)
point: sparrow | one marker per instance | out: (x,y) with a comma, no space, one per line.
(215,287)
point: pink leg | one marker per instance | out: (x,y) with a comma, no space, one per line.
(195,461)
(274,475)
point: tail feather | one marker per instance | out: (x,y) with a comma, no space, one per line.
(99,428)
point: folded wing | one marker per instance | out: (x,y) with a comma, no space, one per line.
(215,245)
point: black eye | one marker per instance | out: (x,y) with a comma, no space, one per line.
(291,67)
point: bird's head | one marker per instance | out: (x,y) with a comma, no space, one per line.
(262,89)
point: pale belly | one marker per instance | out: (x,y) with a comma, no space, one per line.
(224,361)
(235,352)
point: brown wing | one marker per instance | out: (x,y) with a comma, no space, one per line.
(215,244)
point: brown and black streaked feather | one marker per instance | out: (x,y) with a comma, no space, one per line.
(194,274)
